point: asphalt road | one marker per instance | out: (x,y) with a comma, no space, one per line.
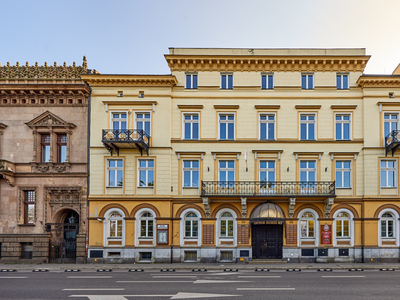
(214,284)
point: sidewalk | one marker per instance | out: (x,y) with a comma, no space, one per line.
(207,266)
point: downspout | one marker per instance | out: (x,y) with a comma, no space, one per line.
(362,232)
(88,171)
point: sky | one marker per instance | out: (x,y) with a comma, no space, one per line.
(132,36)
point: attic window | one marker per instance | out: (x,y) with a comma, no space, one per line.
(120,94)
(141,94)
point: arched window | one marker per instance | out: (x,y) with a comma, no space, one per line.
(146,225)
(387,225)
(115,223)
(114,228)
(307,225)
(191,225)
(226,228)
(342,225)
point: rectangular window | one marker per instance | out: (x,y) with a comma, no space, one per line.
(191,81)
(119,121)
(115,171)
(390,121)
(45,145)
(146,172)
(191,173)
(267,126)
(29,207)
(115,228)
(61,148)
(26,250)
(226,126)
(388,173)
(307,126)
(342,81)
(226,228)
(343,174)
(308,176)
(191,126)
(342,127)
(267,170)
(227,170)
(226,81)
(307,81)
(267,81)
(143,122)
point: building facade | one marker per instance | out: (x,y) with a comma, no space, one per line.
(244,154)
(43,163)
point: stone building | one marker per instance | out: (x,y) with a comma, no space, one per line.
(245,154)
(43,162)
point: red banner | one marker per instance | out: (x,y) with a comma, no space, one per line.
(326,234)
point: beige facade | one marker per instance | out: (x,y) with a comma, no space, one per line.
(245,154)
(43,163)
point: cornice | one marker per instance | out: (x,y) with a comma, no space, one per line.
(379,81)
(298,63)
(307,106)
(267,106)
(130,102)
(131,80)
(343,106)
(190,106)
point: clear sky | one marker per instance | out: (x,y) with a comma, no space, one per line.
(132,36)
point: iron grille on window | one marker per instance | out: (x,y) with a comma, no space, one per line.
(26,250)
(322,252)
(343,252)
(96,253)
(227,255)
(190,255)
(307,252)
(29,207)
(145,256)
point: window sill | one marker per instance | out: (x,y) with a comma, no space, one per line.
(114,238)
(27,225)
(145,187)
(191,187)
(388,187)
(343,188)
(114,187)
(191,238)
(145,238)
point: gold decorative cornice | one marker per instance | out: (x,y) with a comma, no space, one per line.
(379,81)
(226,106)
(131,80)
(267,106)
(190,106)
(307,106)
(299,63)
(267,151)
(343,106)
(39,72)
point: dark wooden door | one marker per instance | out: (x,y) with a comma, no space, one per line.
(267,241)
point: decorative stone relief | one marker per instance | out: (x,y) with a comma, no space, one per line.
(243,201)
(292,203)
(207,208)
(328,205)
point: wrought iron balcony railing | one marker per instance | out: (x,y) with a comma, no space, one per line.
(268,188)
(392,141)
(115,139)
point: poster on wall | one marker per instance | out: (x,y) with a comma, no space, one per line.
(326,234)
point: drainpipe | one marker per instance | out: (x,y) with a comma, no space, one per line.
(88,173)
(362,233)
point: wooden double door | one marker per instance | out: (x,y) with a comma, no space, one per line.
(267,241)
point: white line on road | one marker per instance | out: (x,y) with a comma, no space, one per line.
(95,289)
(89,277)
(259,276)
(218,281)
(343,276)
(13,277)
(174,276)
(180,295)
(266,289)
(152,281)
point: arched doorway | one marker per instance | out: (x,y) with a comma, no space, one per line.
(267,221)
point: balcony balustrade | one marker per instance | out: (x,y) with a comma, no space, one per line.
(115,139)
(392,141)
(268,188)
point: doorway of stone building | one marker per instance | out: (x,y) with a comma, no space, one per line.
(267,241)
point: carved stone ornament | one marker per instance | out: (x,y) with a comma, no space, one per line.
(328,205)
(243,201)
(43,169)
(207,208)
(48,119)
(60,169)
(292,203)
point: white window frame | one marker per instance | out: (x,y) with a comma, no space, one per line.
(226,169)
(344,122)
(137,120)
(351,228)
(191,169)
(267,85)
(116,169)
(266,122)
(395,228)
(146,220)
(138,238)
(147,169)
(191,122)
(218,236)
(191,80)
(106,228)
(307,122)
(227,122)
(119,112)
(182,228)
(313,81)
(387,170)
(315,239)
(227,85)
(343,170)
(341,80)
(390,121)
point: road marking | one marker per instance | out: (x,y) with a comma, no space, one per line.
(342,276)
(266,289)
(174,276)
(218,281)
(95,289)
(13,277)
(179,295)
(152,281)
(88,277)
(261,276)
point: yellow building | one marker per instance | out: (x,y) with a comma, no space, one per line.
(244,154)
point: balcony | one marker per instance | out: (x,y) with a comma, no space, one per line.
(115,139)
(392,142)
(268,188)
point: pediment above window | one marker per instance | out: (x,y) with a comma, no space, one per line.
(48,119)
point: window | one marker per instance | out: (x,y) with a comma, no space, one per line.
(146,225)
(307,176)
(45,145)
(267,170)
(307,126)
(115,169)
(343,174)
(342,225)
(191,126)
(191,173)
(388,173)
(143,122)
(191,81)
(307,81)
(307,227)
(226,229)
(267,81)
(29,207)
(390,121)
(387,225)
(119,121)
(342,127)
(267,126)
(342,81)
(227,170)
(115,220)
(191,225)
(226,126)
(226,81)
(146,173)
(61,148)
